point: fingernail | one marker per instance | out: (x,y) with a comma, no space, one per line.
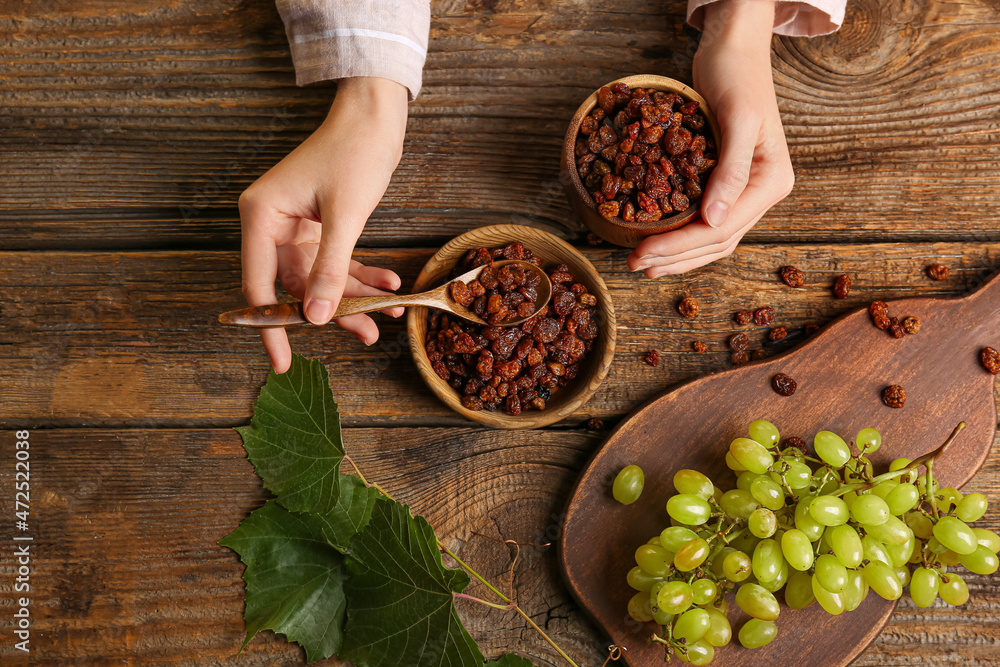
(641,267)
(715,214)
(319,311)
(649,256)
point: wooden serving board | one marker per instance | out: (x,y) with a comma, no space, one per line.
(840,372)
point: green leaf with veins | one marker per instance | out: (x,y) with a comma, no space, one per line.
(400,606)
(294,438)
(510,660)
(350,514)
(294,579)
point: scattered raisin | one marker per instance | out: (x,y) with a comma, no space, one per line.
(688,308)
(759,353)
(843,286)
(652,358)
(783,384)
(595,424)
(744,317)
(991,360)
(764,316)
(740,357)
(895,328)
(911,325)
(778,333)
(594,240)
(811,328)
(792,276)
(938,272)
(881,321)
(738,341)
(699,347)
(878,308)
(796,443)
(894,396)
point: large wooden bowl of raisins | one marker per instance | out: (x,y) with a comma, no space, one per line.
(529,375)
(637,156)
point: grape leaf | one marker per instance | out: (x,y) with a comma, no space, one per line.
(351,514)
(510,660)
(294,439)
(294,579)
(400,606)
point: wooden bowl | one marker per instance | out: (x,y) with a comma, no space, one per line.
(552,250)
(617,230)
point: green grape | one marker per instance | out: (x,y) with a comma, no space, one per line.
(655,541)
(899,554)
(640,580)
(924,586)
(692,625)
(870,510)
(868,440)
(920,525)
(972,507)
(689,509)
(797,476)
(953,590)
(720,632)
(849,498)
(829,511)
(745,479)
(832,603)
(765,433)
(947,499)
(751,455)
(775,584)
(893,531)
(988,539)
(874,550)
(935,546)
(674,597)
(831,448)
(674,537)
(762,522)
(628,485)
(955,535)
(831,484)
(721,605)
(737,566)
(654,560)
(698,653)
(703,591)
(902,499)
(694,483)
(768,493)
(756,633)
(949,558)
(846,544)
(738,503)
(662,617)
(797,549)
(899,464)
(733,464)
(767,560)
(798,590)
(715,567)
(639,609)
(745,542)
(883,489)
(903,574)
(883,580)
(804,521)
(855,591)
(981,561)
(831,573)
(691,555)
(757,601)
(922,484)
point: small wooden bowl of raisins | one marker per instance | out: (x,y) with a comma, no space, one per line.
(637,156)
(526,376)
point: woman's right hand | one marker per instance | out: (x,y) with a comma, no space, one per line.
(303,217)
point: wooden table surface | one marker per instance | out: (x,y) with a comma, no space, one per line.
(128,132)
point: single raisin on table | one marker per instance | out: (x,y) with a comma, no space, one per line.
(911,325)
(738,341)
(783,384)
(744,317)
(894,396)
(595,424)
(764,316)
(895,328)
(878,308)
(740,357)
(843,286)
(811,328)
(792,276)
(759,353)
(991,360)
(881,322)
(652,357)
(699,347)
(688,308)
(778,333)
(938,272)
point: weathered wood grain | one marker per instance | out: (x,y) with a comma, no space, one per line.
(129,129)
(127,569)
(130,339)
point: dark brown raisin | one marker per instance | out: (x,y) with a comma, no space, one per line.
(938,272)
(811,328)
(594,240)
(652,358)
(911,325)
(699,347)
(763,317)
(472,403)
(740,357)
(783,384)
(512,405)
(608,209)
(688,308)
(842,287)
(778,333)
(881,322)
(744,317)
(878,308)
(738,341)
(792,276)
(796,443)
(595,424)
(461,293)
(759,353)
(991,360)
(894,396)
(895,328)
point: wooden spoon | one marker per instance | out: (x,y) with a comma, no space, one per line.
(290,314)
(841,373)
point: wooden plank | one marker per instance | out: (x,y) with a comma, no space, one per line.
(126,566)
(130,338)
(128,129)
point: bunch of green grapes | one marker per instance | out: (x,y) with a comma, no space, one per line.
(823,530)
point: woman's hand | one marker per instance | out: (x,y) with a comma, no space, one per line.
(732,70)
(302,218)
